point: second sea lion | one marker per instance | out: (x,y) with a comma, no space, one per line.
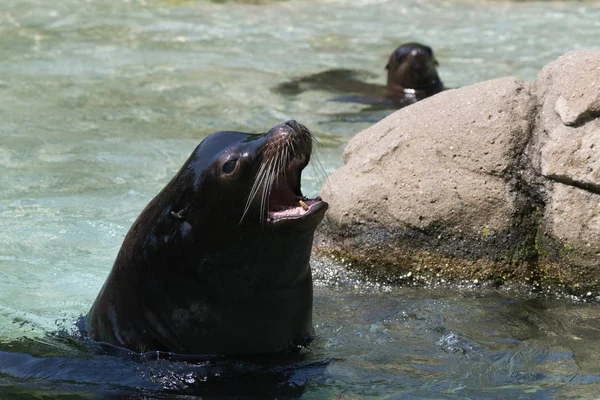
(411,76)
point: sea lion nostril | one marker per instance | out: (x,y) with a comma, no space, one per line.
(292,124)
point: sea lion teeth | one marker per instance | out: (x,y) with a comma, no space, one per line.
(304,206)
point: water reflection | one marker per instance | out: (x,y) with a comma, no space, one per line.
(399,343)
(58,364)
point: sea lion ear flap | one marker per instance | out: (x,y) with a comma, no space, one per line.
(390,61)
(429,51)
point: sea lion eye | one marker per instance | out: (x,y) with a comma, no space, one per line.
(229,166)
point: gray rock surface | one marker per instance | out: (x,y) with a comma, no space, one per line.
(496,181)
(568,139)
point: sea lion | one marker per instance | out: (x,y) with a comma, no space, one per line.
(218,261)
(411,76)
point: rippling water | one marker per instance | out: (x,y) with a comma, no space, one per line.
(102,101)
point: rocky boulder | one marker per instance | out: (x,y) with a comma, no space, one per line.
(495,182)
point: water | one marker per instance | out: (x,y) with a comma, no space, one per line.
(101,102)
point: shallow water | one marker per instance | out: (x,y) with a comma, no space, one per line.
(399,343)
(102,101)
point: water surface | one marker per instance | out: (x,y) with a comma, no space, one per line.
(102,101)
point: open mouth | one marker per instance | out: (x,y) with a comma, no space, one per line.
(286,201)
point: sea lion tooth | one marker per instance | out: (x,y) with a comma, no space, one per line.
(304,206)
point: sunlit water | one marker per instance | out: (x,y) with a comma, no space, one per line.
(102,101)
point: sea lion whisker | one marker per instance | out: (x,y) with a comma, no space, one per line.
(290,152)
(283,162)
(263,191)
(276,166)
(264,204)
(284,158)
(253,190)
(265,186)
(318,164)
(294,144)
(260,176)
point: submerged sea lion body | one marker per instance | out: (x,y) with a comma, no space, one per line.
(412,76)
(218,262)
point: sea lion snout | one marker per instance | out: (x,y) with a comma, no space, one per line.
(421,56)
(292,139)
(291,127)
(292,124)
(417,52)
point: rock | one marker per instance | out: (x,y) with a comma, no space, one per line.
(573,217)
(569,134)
(571,87)
(569,161)
(484,182)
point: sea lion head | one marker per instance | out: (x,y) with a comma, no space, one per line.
(412,66)
(253,179)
